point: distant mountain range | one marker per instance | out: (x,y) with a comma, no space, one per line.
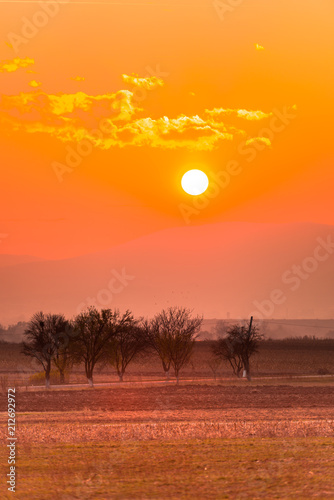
(13,260)
(218,270)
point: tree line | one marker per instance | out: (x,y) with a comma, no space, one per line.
(108,337)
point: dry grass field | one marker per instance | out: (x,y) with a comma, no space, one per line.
(202,439)
(175,442)
(275,468)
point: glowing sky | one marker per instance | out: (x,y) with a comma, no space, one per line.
(104,107)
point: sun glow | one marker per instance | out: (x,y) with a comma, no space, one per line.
(195,182)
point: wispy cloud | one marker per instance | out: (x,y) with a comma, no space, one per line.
(221,113)
(115,120)
(33,83)
(262,140)
(12,65)
(148,83)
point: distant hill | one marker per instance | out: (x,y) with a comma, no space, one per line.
(14,260)
(218,270)
(276,328)
(272,328)
(14,333)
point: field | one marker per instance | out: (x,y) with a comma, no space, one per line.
(206,441)
(206,438)
(275,358)
(206,469)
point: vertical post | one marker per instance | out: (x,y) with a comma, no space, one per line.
(250,326)
(246,372)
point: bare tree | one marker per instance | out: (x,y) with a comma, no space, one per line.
(237,346)
(172,334)
(159,341)
(226,350)
(182,347)
(62,357)
(126,344)
(42,334)
(214,363)
(93,330)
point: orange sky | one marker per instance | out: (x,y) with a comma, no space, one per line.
(154,89)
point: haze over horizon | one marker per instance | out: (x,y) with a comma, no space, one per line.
(97,131)
(271,271)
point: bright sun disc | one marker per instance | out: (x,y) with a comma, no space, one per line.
(195,182)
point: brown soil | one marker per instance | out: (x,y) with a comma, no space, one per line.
(190,397)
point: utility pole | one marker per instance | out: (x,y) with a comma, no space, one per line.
(250,326)
(246,372)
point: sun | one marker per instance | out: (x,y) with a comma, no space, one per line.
(195,182)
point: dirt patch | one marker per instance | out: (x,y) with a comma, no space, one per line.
(190,397)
